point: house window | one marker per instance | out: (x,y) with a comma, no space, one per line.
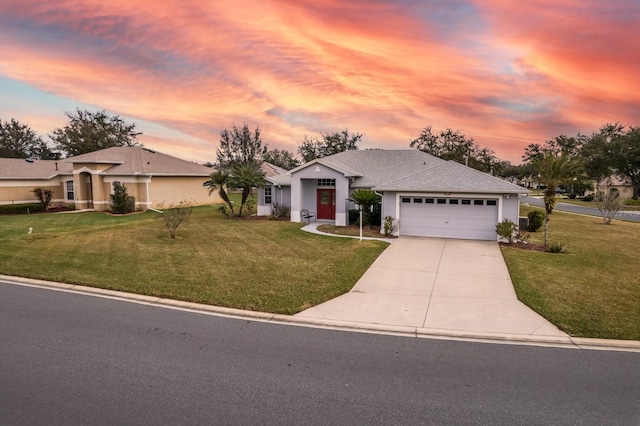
(492,202)
(442,201)
(70,190)
(406,199)
(429,200)
(326,182)
(417,201)
(466,202)
(267,195)
(453,201)
(478,202)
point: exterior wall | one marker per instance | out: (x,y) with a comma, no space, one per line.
(280,195)
(21,191)
(173,189)
(304,195)
(511,208)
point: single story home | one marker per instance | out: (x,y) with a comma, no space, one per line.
(86,180)
(425,195)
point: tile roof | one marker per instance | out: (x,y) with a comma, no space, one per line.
(139,160)
(18,168)
(450,176)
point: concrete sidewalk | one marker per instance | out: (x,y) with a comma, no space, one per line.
(439,286)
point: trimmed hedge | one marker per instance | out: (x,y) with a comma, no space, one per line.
(9,209)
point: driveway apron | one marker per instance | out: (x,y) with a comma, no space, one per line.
(438,285)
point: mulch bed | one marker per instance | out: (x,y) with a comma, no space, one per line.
(526,246)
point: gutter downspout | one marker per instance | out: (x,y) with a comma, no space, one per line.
(149,202)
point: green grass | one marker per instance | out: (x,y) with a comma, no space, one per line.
(261,265)
(594,290)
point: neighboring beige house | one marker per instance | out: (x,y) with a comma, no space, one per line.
(86,180)
(614,182)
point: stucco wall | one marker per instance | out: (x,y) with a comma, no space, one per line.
(304,191)
(172,189)
(21,191)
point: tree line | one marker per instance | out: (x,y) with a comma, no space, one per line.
(614,150)
(85,131)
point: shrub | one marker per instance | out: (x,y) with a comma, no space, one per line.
(224,209)
(536,219)
(587,198)
(507,230)
(572,196)
(556,248)
(390,226)
(44,195)
(120,199)
(279,210)
(354,215)
(631,202)
(8,209)
(131,204)
(175,214)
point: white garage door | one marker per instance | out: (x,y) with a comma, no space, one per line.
(465,218)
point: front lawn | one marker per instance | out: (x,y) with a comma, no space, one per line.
(594,290)
(269,266)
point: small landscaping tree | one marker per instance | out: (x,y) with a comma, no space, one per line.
(175,214)
(44,195)
(219,182)
(120,202)
(246,176)
(609,204)
(366,199)
(553,171)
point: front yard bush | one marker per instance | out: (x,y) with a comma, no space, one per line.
(9,209)
(536,219)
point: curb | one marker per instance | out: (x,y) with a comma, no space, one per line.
(396,330)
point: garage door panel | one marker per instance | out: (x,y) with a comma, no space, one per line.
(449,220)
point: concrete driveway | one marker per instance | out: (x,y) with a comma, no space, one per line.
(440,286)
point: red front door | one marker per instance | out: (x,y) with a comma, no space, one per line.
(327,204)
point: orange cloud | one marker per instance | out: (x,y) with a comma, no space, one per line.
(505,73)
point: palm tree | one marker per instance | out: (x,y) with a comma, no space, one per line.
(247,177)
(220,181)
(553,171)
(365,198)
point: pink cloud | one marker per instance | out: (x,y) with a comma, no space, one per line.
(506,75)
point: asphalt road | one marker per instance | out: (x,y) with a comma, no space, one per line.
(572,208)
(71,359)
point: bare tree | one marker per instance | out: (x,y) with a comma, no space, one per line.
(175,214)
(609,204)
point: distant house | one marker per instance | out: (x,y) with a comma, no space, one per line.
(623,186)
(425,195)
(86,180)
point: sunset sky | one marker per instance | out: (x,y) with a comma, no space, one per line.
(507,73)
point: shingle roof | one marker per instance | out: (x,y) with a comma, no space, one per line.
(269,169)
(281,180)
(18,168)
(138,160)
(411,170)
(451,177)
(376,166)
